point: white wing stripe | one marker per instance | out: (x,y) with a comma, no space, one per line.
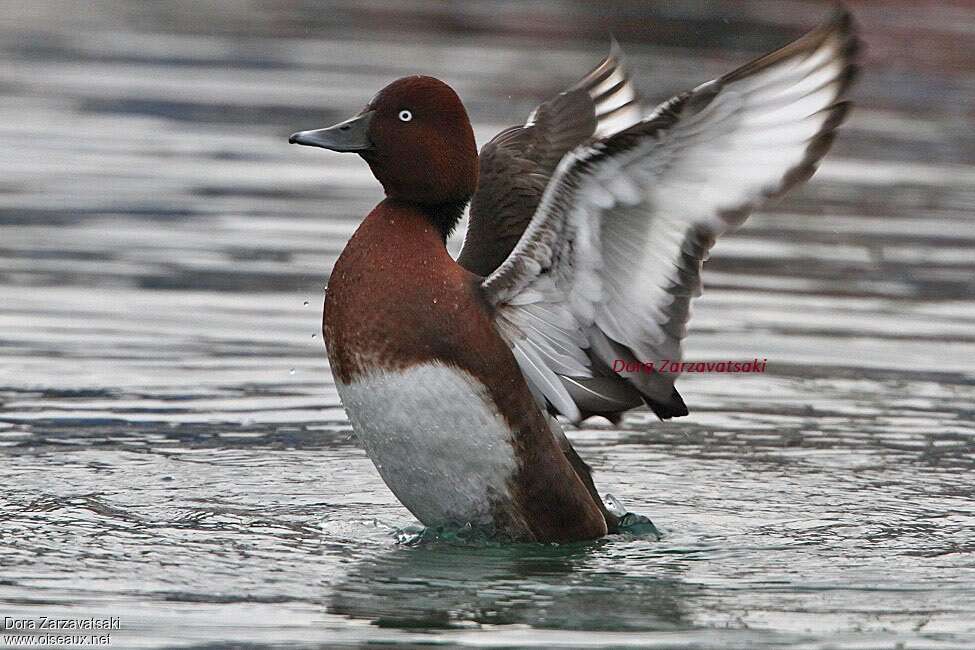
(543,378)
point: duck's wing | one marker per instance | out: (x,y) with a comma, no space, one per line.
(518,163)
(606,269)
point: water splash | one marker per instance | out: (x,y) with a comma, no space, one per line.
(635,525)
(614,505)
(466,535)
(630,523)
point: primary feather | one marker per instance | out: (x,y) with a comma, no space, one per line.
(611,236)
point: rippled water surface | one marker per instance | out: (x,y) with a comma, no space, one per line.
(172,448)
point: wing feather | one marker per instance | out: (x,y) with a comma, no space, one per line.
(518,163)
(612,254)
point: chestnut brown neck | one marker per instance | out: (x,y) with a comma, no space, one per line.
(444,216)
(441,199)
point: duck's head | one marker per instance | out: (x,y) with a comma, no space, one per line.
(417,139)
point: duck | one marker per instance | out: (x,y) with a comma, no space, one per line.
(588,227)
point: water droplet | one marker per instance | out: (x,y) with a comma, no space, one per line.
(614,505)
(305,303)
(314,336)
(291,372)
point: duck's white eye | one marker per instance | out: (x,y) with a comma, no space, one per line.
(405,116)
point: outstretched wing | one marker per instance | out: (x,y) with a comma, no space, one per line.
(517,164)
(608,265)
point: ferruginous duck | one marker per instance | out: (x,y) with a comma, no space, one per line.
(588,227)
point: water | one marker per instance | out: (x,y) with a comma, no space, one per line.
(172,448)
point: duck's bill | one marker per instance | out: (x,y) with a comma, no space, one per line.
(350,135)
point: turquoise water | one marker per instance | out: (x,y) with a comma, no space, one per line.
(172,449)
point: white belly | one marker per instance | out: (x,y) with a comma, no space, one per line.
(436,440)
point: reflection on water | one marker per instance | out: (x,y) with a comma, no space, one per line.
(442,586)
(173,450)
